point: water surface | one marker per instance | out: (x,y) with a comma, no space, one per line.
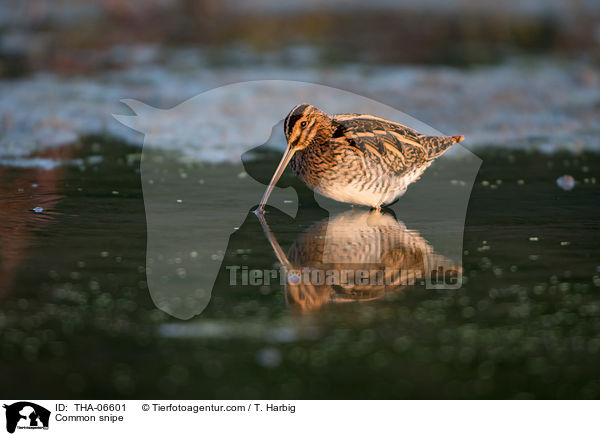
(77,319)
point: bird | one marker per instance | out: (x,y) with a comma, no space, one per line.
(359,159)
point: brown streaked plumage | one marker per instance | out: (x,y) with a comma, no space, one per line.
(353,158)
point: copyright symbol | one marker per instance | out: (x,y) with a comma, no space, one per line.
(145,407)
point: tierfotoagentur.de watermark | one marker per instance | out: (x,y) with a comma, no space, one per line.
(346,278)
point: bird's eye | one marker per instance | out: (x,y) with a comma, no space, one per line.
(303,124)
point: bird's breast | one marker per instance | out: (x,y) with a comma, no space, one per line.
(349,175)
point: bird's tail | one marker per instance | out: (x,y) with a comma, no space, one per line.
(437,145)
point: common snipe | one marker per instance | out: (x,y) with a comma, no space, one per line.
(353,158)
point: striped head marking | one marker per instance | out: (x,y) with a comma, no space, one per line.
(305,124)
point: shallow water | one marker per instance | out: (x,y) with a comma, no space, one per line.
(77,319)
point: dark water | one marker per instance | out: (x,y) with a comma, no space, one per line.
(77,319)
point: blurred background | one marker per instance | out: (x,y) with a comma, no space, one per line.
(78,37)
(511,71)
(519,78)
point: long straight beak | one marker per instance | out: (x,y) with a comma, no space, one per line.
(287,156)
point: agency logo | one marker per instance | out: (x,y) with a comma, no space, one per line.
(24,415)
(204,168)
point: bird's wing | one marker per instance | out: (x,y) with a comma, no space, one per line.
(380,136)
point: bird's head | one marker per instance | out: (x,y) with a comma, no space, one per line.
(304,125)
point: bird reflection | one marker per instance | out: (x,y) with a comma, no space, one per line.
(358,255)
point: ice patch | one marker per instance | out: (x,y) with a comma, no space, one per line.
(546,106)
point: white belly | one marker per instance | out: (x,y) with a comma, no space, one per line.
(375,192)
